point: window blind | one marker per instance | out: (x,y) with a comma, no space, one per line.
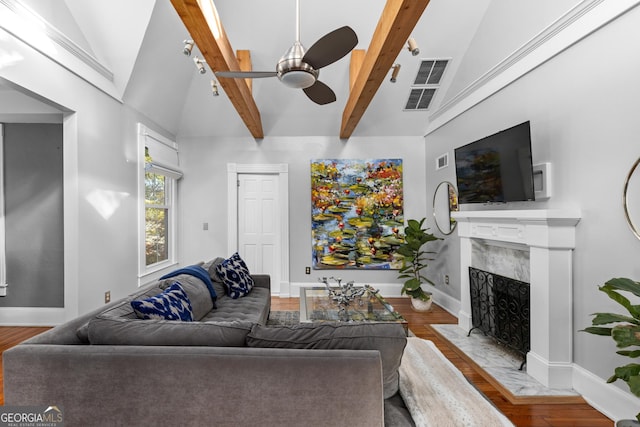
(163,156)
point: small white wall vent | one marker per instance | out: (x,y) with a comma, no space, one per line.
(442,161)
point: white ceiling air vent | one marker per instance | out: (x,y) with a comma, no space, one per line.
(419,99)
(429,75)
(430,72)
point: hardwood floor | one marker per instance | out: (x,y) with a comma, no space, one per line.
(545,414)
(549,413)
(10,336)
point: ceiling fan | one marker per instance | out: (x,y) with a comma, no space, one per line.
(299,68)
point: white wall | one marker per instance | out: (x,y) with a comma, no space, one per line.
(490,45)
(204,198)
(582,106)
(100,159)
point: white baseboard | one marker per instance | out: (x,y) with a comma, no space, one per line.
(445,301)
(31,316)
(607,398)
(550,374)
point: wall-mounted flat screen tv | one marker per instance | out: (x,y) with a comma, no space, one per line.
(497,168)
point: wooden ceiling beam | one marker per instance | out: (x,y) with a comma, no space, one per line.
(203,23)
(394,28)
(357,57)
(244,61)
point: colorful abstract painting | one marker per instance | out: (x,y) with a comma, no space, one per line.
(357,213)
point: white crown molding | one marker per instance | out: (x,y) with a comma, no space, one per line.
(22,12)
(583,19)
(26,30)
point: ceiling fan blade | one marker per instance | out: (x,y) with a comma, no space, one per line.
(245,74)
(331,47)
(320,93)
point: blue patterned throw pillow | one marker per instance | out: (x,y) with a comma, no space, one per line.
(235,275)
(172,304)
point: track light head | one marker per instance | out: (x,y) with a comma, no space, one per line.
(412,45)
(200,65)
(188,47)
(214,88)
(395,72)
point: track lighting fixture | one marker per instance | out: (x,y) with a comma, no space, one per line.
(188,47)
(395,72)
(200,65)
(412,45)
(214,88)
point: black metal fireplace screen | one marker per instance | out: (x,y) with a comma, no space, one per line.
(500,309)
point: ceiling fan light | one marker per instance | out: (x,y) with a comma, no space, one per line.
(298,79)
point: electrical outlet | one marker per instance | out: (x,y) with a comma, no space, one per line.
(307,270)
(107,297)
(446,279)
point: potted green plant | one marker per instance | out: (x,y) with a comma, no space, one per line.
(415,260)
(625,332)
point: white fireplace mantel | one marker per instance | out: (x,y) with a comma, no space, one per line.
(549,235)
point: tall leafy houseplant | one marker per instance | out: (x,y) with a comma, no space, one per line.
(625,332)
(415,259)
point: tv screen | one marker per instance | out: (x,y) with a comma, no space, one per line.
(497,168)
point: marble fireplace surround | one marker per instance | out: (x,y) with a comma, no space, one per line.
(549,237)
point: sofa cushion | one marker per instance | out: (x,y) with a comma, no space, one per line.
(218,284)
(172,304)
(167,333)
(196,271)
(210,266)
(253,308)
(388,338)
(198,293)
(235,274)
(119,325)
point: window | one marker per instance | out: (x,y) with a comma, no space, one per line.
(158,198)
(157,205)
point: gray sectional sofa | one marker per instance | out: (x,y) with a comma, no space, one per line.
(226,368)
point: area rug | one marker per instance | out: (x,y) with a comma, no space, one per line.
(437,394)
(283,318)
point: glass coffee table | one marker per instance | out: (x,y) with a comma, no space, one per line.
(316,306)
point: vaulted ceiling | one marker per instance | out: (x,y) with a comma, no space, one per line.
(368,68)
(268,28)
(144,51)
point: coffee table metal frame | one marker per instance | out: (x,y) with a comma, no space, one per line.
(316,306)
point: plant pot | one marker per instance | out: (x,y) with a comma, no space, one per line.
(420,305)
(627,423)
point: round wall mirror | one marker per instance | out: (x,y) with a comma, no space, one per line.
(631,199)
(445,201)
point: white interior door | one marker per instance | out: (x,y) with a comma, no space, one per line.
(258,224)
